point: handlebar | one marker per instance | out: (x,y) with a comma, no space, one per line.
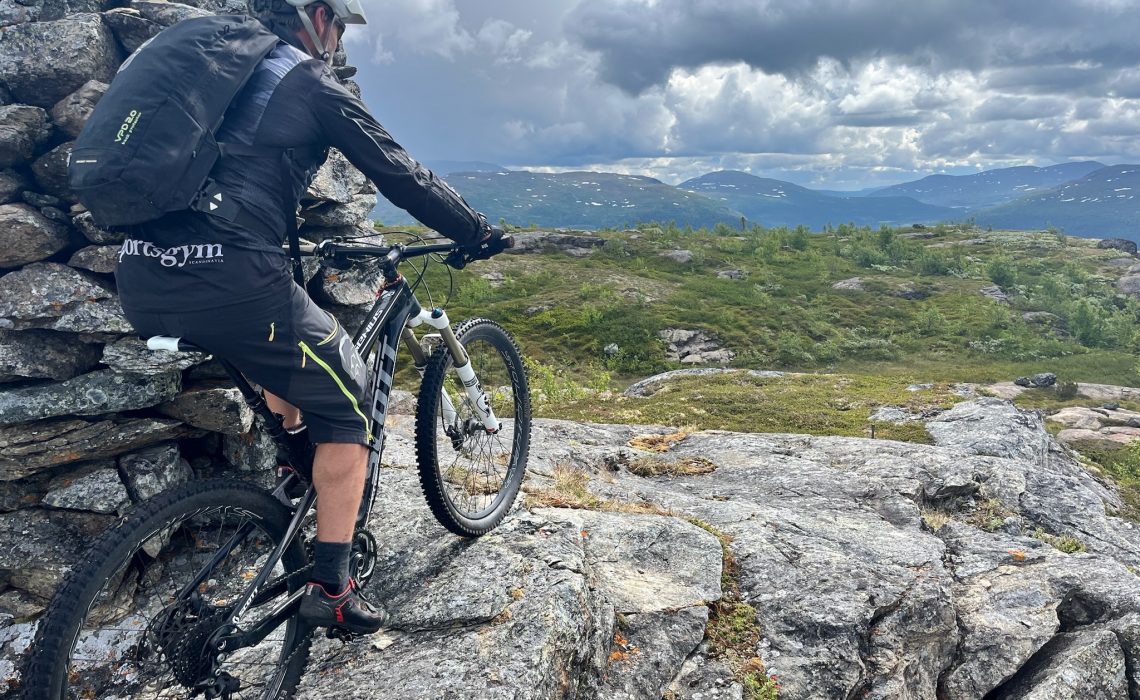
(340,250)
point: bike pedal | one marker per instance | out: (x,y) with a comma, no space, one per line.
(341,634)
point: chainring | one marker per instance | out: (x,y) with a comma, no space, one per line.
(362,565)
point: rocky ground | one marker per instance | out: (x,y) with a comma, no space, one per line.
(648,563)
(988,565)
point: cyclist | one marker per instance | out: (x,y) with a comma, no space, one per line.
(223,283)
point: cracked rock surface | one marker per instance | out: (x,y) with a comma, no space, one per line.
(869,566)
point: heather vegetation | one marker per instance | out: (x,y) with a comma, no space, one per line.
(916,311)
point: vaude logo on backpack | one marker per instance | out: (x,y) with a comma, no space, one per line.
(149,146)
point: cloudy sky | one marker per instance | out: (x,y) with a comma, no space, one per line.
(826,93)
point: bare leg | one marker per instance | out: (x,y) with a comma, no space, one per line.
(282,407)
(338,473)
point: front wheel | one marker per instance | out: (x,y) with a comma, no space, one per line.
(470,476)
(135,617)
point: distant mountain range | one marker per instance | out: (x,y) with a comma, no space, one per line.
(1083,198)
(585,200)
(779,203)
(990,187)
(1101,204)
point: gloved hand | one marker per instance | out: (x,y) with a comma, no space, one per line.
(493,242)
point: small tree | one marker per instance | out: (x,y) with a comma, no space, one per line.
(1001,272)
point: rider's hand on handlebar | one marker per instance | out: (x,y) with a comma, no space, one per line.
(492,243)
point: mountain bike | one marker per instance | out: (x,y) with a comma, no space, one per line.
(196,591)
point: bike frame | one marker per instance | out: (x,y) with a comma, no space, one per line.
(390,320)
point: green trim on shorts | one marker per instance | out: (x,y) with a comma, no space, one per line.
(355,406)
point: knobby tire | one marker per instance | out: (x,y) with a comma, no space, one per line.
(115,551)
(433,462)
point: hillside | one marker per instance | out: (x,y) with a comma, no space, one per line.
(988,188)
(585,200)
(778,203)
(915,302)
(1103,203)
(1083,198)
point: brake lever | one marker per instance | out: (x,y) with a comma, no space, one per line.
(457,259)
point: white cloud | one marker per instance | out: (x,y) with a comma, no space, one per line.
(821,92)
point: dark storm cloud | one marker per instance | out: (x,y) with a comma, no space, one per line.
(880,119)
(806,89)
(1051,79)
(1021,108)
(641,41)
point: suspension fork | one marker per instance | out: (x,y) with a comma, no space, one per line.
(481,404)
(420,359)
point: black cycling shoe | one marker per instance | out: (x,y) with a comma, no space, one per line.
(347,610)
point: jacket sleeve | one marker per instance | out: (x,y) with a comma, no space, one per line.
(350,128)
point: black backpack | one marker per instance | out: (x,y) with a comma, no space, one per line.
(148,147)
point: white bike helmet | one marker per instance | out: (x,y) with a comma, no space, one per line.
(347,11)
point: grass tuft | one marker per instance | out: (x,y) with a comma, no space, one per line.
(661,443)
(989,515)
(570,489)
(686,466)
(1068,545)
(733,632)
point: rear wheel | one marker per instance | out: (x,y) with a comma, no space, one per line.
(471,477)
(136,615)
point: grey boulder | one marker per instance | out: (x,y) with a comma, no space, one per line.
(1117,244)
(38,354)
(36,551)
(23,129)
(43,62)
(132,356)
(87,226)
(58,297)
(27,448)
(546,241)
(140,20)
(97,489)
(1130,285)
(337,181)
(72,112)
(26,236)
(95,393)
(335,215)
(100,259)
(152,470)
(220,409)
(12,183)
(356,286)
(50,170)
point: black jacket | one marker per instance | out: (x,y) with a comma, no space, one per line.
(193,260)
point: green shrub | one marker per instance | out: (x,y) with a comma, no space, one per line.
(931,322)
(799,238)
(930,263)
(864,346)
(1086,322)
(1001,272)
(723,229)
(792,350)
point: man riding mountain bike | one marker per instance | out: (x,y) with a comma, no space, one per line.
(234,295)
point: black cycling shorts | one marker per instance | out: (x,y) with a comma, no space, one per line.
(293,349)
